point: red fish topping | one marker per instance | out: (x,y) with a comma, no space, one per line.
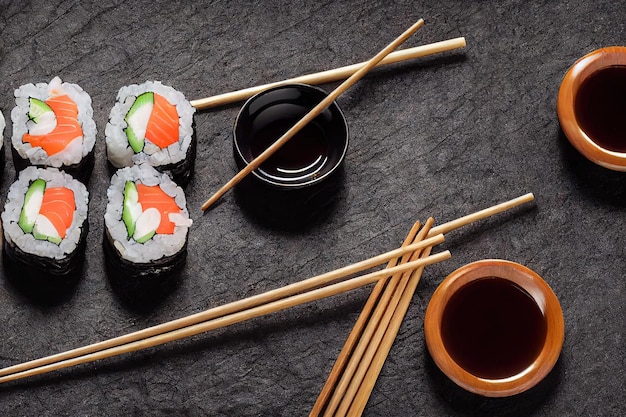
(66,130)
(155,197)
(58,206)
(162,127)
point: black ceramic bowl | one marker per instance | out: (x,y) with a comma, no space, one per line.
(304,173)
(308,158)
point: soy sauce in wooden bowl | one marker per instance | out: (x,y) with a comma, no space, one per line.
(601,107)
(591,105)
(494,327)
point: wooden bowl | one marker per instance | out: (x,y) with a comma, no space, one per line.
(545,300)
(585,67)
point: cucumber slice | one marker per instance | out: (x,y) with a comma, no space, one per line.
(37,109)
(32,205)
(42,119)
(45,230)
(146,225)
(132,209)
(137,120)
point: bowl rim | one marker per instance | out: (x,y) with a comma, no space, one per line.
(312,181)
(609,56)
(536,287)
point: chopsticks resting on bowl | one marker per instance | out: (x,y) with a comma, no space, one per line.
(331,75)
(361,359)
(315,288)
(256,162)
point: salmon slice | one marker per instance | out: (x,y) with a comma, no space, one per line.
(67,128)
(162,127)
(58,206)
(155,197)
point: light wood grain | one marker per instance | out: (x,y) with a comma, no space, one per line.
(356,333)
(481,214)
(378,357)
(331,75)
(373,338)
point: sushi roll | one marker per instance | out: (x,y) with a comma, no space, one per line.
(146,229)
(53,126)
(45,227)
(152,123)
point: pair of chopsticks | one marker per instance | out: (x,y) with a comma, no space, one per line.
(312,289)
(360,361)
(385,311)
(357,71)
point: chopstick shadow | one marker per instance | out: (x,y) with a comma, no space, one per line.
(229,339)
(465,403)
(598,183)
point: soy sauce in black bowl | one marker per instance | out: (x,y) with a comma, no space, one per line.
(302,178)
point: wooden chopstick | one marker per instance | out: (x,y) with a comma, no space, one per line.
(356,332)
(332,75)
(328,100)
(355,402)
(233,307)
(364,317)
(230,319)
(481,214)
(371,337)
(220,316)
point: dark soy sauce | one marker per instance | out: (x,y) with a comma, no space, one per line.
(493,328)
(601,108)
(303,155)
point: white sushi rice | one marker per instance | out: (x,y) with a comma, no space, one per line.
(15,201)
(161,245)
(78,148)
(120,153)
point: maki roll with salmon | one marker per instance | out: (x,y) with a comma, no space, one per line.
(152,123)
(146,229)
(53,126)
(45,225)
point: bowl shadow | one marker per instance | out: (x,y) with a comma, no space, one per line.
(597,182)
(465,403)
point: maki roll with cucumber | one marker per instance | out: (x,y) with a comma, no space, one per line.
(45,225)
(152,123)
(53,127)
(146,229)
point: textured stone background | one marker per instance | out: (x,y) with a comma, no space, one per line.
(443,136)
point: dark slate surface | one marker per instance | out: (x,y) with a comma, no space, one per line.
(443,136)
